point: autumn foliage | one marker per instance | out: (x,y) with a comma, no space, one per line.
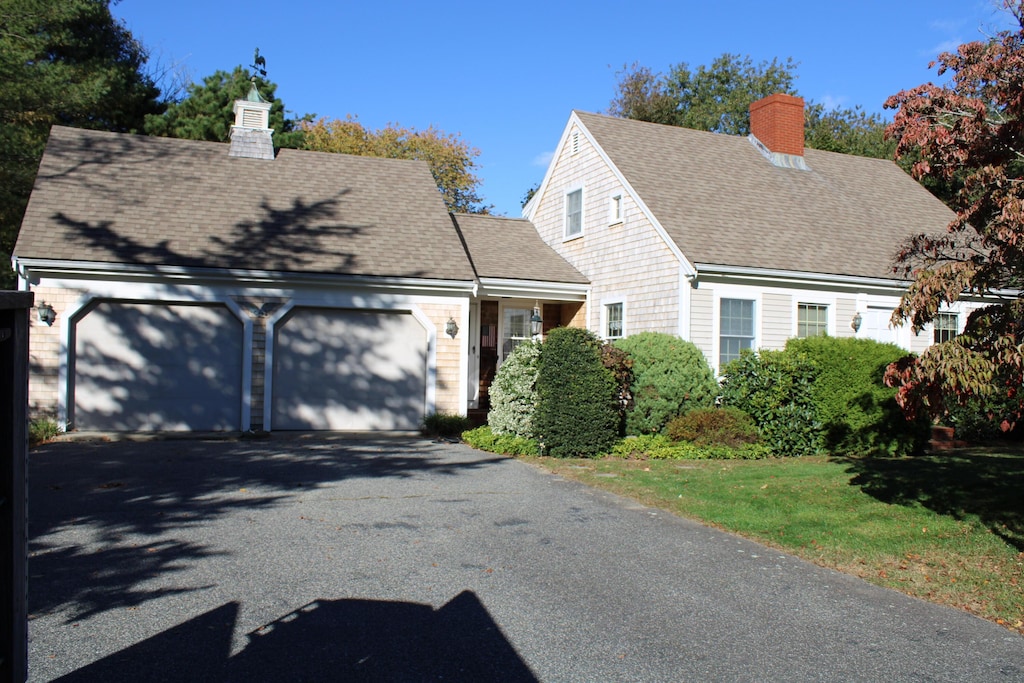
(969,134)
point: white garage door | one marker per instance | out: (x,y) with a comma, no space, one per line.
(349,370)
(140,366)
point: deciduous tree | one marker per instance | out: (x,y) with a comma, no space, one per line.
(65,62)
(968,131)
(451,159)
(718,98)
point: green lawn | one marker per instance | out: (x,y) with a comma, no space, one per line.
(947,528)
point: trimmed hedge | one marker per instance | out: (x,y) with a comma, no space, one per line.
(508,444)
(776,389)
(857,412)
(577,412)
(671,377)
(659,447)
(514,392)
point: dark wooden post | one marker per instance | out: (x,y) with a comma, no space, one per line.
(14,314)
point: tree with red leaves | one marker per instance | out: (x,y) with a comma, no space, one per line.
(968,135)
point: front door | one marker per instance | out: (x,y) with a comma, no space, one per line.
(488,350)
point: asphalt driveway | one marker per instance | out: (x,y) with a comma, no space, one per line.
(340,559)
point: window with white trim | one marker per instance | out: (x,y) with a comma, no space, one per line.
(614,320)
(574,213)
(811,320)
(735,330)
(945,326)
(615,209)
(515,329)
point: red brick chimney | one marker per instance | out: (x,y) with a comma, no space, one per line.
(778,122)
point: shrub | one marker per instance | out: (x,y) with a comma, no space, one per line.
(620,365)
(775,389)
(726,426)
(858,413)
(41,431)
(509,444)
(514,392)
(576,403)
(659,447)
(671,377)
(445,424)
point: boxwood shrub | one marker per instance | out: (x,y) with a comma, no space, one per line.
(576,412)
(857,412)
(671,377)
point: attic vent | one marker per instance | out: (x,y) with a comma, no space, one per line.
(252,118)
(575,142)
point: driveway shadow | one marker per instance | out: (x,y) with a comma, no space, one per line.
(327,640)
(89,504)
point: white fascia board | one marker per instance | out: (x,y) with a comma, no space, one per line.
(793,276)
(532,289)
(688,268)
(94,270)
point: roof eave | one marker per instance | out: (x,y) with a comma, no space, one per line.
(533,289)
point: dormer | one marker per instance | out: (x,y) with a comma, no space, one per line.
(251,136)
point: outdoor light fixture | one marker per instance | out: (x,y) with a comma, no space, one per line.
(451,328)
(536,322)
(857,320)
(46,313)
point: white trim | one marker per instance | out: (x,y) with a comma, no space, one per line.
(616,209)
(565,213)
(612,300)
(813,300)
(532,289)
(734,292)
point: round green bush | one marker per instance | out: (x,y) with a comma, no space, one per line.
(857,412)
(725,426)
(514,392)
(576,412)
(671,377)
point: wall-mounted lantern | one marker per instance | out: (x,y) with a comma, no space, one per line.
(46,313)
(451,328)
(536,322)
(857,320)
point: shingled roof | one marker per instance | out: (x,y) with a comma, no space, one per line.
(512,248)
(112,198)
(723,203)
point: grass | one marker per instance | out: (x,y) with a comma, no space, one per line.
(947,527)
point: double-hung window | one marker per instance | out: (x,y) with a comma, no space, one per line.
(614,320)
(811,320)
(574,213)
(946,326)
(736,329)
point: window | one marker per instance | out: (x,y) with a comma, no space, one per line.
(736,329)
(516,329)
(614,320)
(946,326)
(811,320)
(574,213)
(615,209)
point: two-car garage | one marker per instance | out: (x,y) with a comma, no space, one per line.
(154,366)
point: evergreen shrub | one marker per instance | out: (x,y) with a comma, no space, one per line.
(577,413)
(514,392)
(726,426)
(857,412)
(775,388)
(509,444)
(671,377)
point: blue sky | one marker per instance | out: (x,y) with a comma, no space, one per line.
(505,76)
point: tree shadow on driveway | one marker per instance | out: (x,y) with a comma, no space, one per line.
(103,517)
(326,640)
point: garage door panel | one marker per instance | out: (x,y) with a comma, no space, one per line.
(145,366)
(349,370)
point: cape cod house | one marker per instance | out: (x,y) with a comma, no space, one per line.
(733,242)
(186,285)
